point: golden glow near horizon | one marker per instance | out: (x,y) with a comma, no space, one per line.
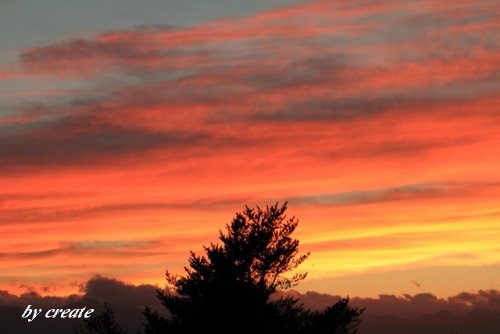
(378,122)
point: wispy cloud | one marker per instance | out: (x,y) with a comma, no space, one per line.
(377,120)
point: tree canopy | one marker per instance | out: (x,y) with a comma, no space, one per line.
(230,288)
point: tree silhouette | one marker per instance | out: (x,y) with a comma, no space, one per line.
(103,323)
(228,290)
(341,317)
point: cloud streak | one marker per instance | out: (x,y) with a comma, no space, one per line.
(377,120)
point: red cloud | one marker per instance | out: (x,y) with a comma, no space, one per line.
(330,97)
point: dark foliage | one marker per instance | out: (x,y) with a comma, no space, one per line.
(338,318)
(228,290)
(103,323)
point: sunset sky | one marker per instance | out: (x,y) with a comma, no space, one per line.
(131,132)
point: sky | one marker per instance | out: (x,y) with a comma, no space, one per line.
(131,133)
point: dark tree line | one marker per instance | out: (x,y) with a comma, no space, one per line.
(230,288)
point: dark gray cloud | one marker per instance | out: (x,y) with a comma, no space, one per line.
(62,214)
(249,79)
(116,247)
(127,302)
(368,104)
(406,192)
(117,292)
(409,306)
(97,289)
(469,313)
(348,198)
(399,193)
(400,149)
(134,51)
(54,146)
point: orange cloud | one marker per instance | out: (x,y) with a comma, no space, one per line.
(377,121)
